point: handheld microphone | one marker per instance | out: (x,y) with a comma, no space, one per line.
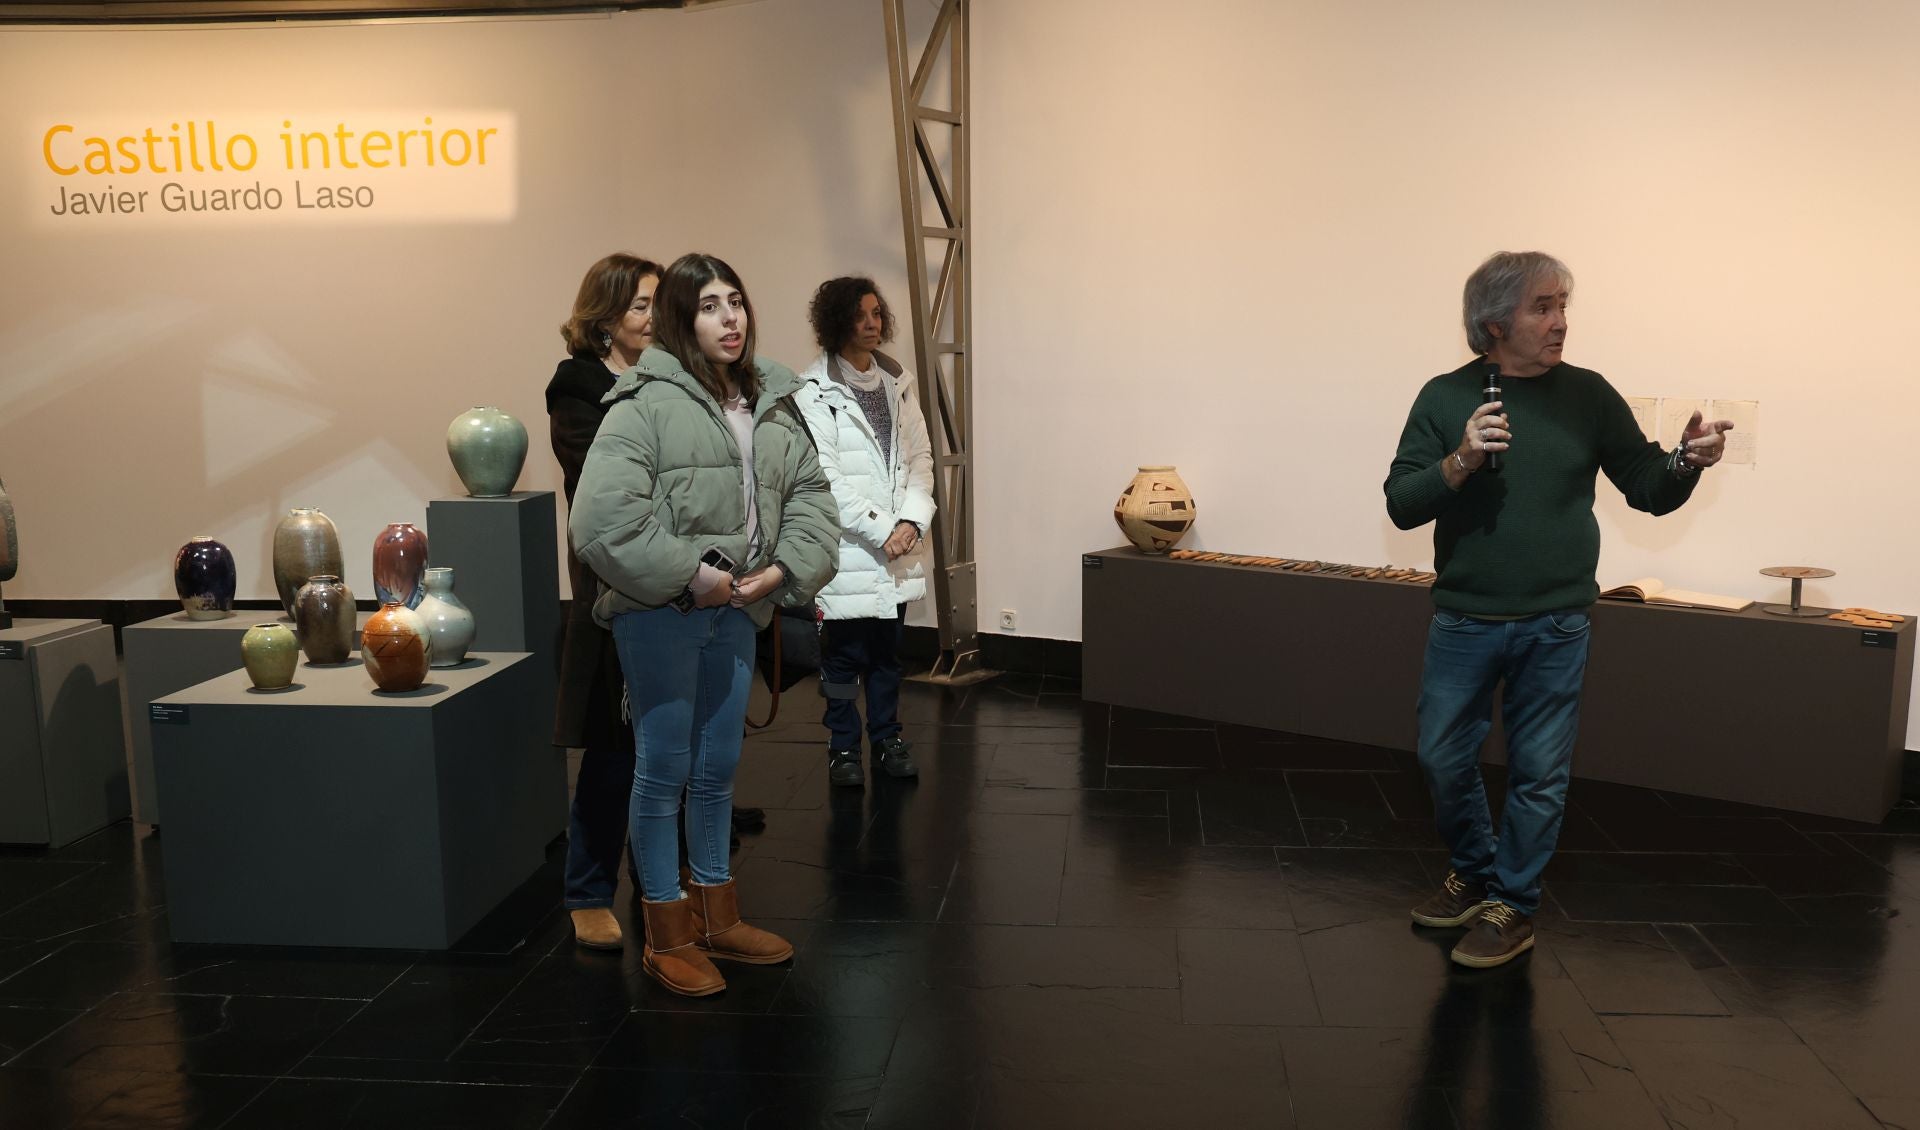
(1488,395)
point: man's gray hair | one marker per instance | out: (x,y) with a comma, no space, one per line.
(1496,290)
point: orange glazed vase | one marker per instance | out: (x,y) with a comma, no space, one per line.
(397,648)
(1156,510)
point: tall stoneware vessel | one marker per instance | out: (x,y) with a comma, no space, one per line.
(400,564)
(9,551)
(270,654)
(204,577)
(449,621)
(305,544)
(1156,510)
(9,538)
(323,616)
(397,648)
(488,448)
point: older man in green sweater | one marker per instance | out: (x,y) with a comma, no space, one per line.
(1515,552)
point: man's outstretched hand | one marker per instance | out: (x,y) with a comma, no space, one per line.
(1705,443)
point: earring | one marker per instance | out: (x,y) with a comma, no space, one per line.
(606,340)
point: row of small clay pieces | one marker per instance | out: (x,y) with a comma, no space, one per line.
(1323,568)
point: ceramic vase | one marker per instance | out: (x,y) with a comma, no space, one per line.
(270,654)
(1156,510)
(9,552)
(397,648)
(305,544)
(449,622)
(400,565)
(323,616)
(9,538)
(204,577)
(488,448)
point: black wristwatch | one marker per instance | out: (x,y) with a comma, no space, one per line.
(1677,464)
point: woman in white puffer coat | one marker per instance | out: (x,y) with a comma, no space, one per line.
(865,416)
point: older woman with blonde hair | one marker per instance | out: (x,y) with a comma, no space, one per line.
(611,323)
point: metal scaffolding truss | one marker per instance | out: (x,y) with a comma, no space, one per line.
(942,308)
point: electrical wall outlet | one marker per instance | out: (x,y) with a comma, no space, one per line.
(1009,620)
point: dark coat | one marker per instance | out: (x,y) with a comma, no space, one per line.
(588,713)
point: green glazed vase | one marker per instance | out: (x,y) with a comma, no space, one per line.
(270,654)
(488,448)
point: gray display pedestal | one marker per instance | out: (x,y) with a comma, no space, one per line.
(330,814)
(172,653)
(505,565)
(63,770)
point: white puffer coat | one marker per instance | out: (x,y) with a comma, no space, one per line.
(874,494)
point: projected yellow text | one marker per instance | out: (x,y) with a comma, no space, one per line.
(423,166)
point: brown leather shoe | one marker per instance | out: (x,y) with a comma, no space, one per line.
(1501,935)
(1456,903)
(716,918)
(596,928)
(671,956)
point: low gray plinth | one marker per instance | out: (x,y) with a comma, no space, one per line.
(505,565)
(330,814)
(172,653)
(1818,720)
(63,771)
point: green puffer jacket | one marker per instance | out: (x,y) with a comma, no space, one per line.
(662,485)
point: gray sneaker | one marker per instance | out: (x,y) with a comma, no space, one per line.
(843,769)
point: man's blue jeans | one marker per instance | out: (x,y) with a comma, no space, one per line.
(1541,659)
(597,827)
(688,677)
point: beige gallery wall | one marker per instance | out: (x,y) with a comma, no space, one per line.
(164,375)
(1229,237)
(1232,237)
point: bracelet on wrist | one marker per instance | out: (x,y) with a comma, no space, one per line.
(1462,464)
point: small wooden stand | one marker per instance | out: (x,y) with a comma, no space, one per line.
(1796,574)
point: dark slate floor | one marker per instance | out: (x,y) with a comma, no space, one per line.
(1077,918)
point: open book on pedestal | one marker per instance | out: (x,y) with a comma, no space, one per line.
(1651,591)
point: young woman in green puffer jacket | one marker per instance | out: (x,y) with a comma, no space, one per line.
(702,450)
